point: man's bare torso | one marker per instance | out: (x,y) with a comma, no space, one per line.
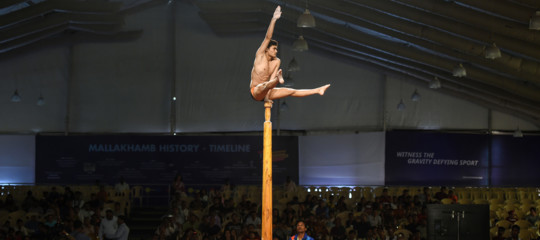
(262,70)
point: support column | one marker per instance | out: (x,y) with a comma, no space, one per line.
(266,231)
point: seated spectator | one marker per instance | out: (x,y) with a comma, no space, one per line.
(117,211)
(253,236)
(228,235)
(121,188)
(405,197)
(32,224)
(424,197)
(352,235)
(85,212)
(29,201)
(290,185)
(78,233)
(78,200)
(385,198)
(322,210)
(53,195)
(512,216)
(102,196)
(88,228)
(532,216)
(191,223)
(51,219)
(500,233)
(19,227)
(235,223)
(514,234)
(341,205)
(442,194)
(338,231)
(68,194)
(253,219)
(10,204)
(362,226)
(452,196)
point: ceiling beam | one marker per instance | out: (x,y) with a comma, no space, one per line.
(431,39)
(453,27)
(476,19)
(42,9)
(9,3)
(110,22)
(504,8)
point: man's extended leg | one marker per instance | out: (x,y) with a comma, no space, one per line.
(278,93)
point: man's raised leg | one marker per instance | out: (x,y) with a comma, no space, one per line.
(278,93)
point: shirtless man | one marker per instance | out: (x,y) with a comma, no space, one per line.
(266,74)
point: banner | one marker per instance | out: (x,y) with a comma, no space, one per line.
(429,158)
(515,161)
(207,160)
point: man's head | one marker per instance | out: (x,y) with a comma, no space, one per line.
(271,50)
(515,231)
(500,231)
(109,214)
(301,227)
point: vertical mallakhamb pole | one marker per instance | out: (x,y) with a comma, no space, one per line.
(266,230)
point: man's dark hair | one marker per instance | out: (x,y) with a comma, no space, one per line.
(122,217)
(272,43)
(302,221)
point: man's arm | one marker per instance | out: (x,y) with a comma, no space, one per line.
(270,31)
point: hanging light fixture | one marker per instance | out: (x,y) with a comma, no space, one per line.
(435,83)
(401,105)
(306,20)
(534,23)
(415,97)
(492,52)
(283,107)
(300,44)
(16,97)
(293,66)
(518,133)
(459,71)
(41,101)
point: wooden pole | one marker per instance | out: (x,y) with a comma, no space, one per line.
(266,231)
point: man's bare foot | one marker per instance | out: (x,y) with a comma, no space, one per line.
(280,76)
(323,89)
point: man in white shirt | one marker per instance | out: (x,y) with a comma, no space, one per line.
(253,219)
(108,225)
(122,232)
(121,188)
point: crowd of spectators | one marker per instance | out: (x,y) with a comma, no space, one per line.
(219,214)
(226,213)
(61,214)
